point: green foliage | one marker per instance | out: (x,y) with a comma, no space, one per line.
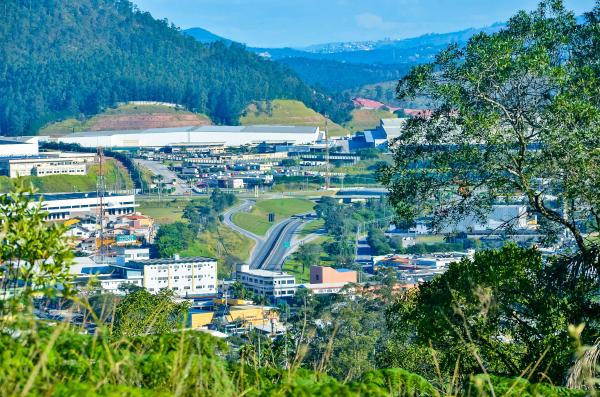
(528,97)
(505,310)
(173,238)
(64,58)
(519,387)
(378,242)
(141,313)
(309,255)
(34,255)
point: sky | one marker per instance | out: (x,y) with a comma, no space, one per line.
(297,23)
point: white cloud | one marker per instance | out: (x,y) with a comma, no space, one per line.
(368,20)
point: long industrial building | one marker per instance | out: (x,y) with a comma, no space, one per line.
(163,137)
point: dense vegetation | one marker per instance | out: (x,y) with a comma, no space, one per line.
(64,58)
(529,97)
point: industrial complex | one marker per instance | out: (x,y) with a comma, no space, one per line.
(225,135)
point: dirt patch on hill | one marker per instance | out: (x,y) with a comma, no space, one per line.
(141,122)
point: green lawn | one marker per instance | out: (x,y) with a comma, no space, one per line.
(163,212)
(256,220)
(220,244)
(430,239)
(288,112)
(115,175)
(312,227)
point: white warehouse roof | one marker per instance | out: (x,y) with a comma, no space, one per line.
(158,137)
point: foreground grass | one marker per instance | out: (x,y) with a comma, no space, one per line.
(256,220)
(115,175)
(288,112)
(60,360)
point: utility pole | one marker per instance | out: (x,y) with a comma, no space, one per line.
(327,165)
(100,192)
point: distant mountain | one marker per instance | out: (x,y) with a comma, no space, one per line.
(62,59)
(342,66)
(427,40)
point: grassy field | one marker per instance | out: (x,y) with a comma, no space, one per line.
(288,112)
(363,119)
(128,116)
(256,220)
(311,227)
(165,211)
(221,243)
(115,175)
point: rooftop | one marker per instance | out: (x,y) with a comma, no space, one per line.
(73,196)
(278,129)
(265,273)
(170,261)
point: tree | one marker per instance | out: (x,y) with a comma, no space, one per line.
(34,255)
(504,310)
(141,313)
(309,255)
(516,117)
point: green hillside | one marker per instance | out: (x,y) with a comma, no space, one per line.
(62,59)
(128,116)
(288,112)
(363,119)
(115,175)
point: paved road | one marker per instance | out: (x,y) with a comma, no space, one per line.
(276,248)
(364,252)
(158,168)
(227,221)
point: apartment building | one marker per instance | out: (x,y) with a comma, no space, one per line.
(185,276)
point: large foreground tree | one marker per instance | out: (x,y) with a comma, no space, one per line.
(517,120)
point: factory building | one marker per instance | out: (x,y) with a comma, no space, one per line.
(19,146)
(62,206)
(206,135)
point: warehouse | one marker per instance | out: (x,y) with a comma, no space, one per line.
(162,137)
(18,146)
(61,206)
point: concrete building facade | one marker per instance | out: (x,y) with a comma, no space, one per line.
(273,285)
(185,276)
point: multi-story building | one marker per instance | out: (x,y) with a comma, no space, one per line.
(185,276)
(273,285)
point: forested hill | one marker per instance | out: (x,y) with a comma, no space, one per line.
(70,57)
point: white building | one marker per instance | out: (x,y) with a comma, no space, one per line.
(185,276)
(42,166)
(19,146)
(61,206)
(225,135)
(500,217)
(127,254)
(267,283)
